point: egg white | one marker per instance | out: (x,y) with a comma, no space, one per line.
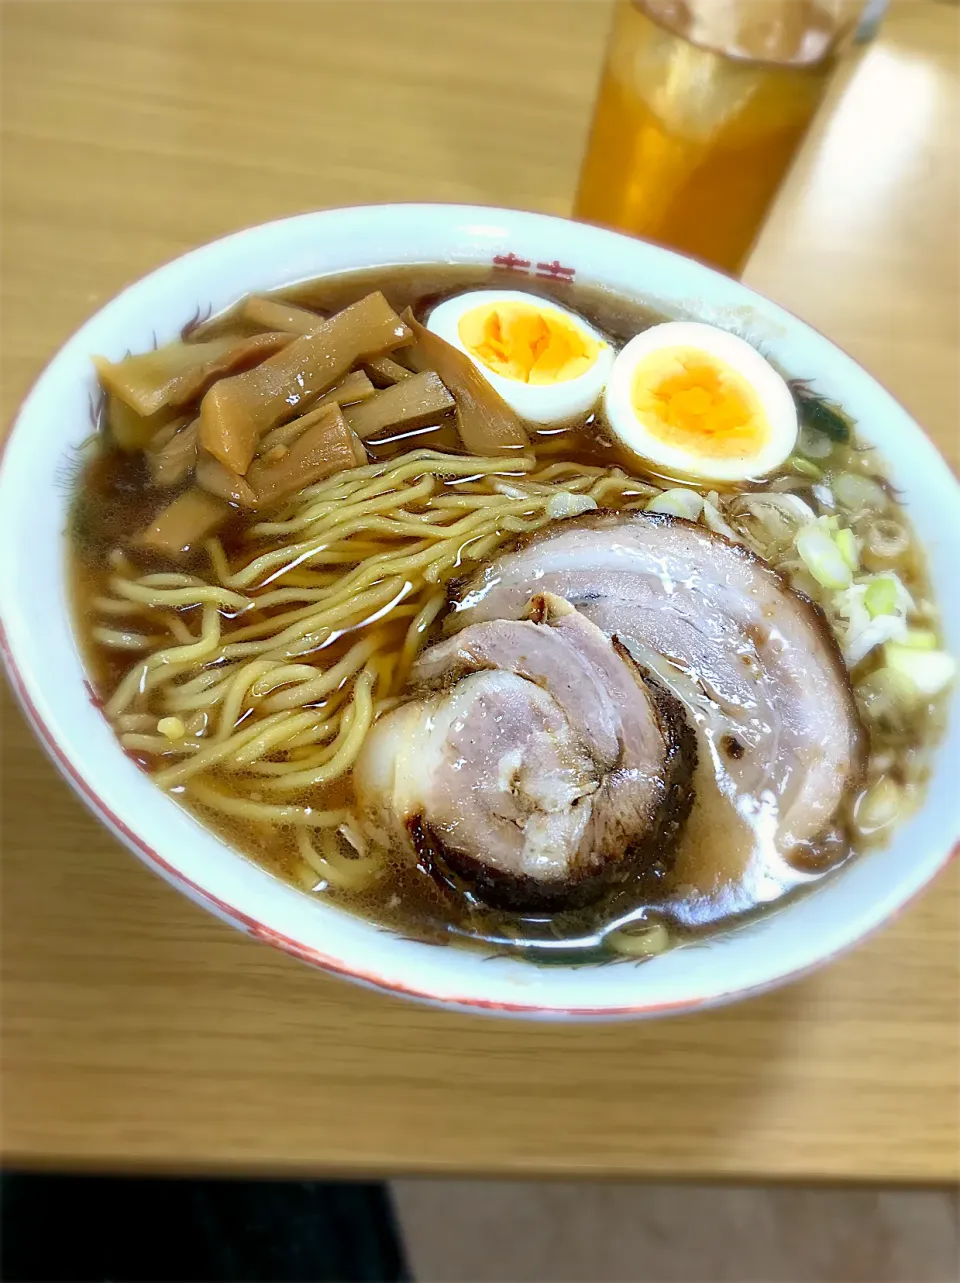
(543,403)
(776,401)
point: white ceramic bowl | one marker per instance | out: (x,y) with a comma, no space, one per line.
(46,671)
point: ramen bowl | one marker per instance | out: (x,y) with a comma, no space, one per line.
(46,670)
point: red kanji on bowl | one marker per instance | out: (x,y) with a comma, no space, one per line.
(511,261)
(556,271)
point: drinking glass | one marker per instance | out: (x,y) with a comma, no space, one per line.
(702,106)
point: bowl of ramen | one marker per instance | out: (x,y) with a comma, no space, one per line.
(491,609)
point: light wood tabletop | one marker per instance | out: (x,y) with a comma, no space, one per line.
(139,1032)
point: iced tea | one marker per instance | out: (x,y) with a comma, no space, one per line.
(702,106)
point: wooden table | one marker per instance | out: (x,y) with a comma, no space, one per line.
(139,1032)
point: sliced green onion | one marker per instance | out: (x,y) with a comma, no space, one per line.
(806,468)
(878,807)
(881,596)
(814,444)
(678,503)
(713,520)
(823,558)
(919,639)
(653,938)
(855,491)
(929,670)
(845,541)
(886,697)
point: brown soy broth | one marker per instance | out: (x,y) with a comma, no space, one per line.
(115,497)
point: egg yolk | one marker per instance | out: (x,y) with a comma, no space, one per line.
(693,401)
(527,343)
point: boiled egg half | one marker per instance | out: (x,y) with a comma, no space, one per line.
(695,402)
(547,363)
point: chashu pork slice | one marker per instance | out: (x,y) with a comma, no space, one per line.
(754,661)
(535,764)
